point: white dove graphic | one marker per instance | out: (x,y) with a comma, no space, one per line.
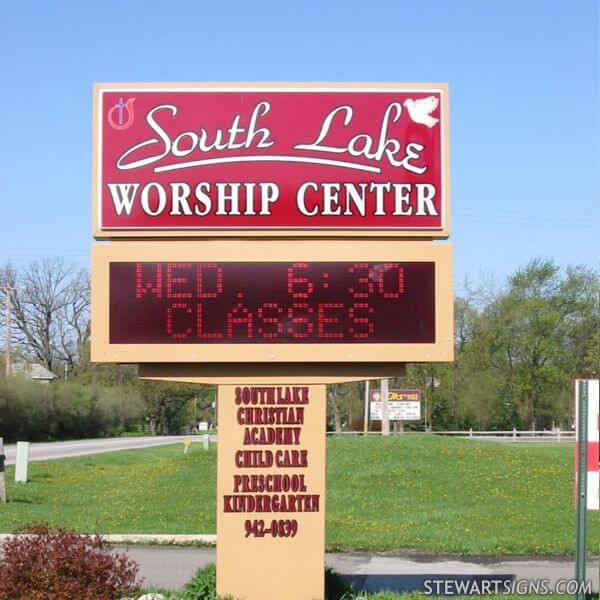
(419,110)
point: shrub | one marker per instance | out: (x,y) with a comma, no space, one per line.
(203,585)
(65,410)
(24,406)
(336,587)
(121,408)
(60,565)
(73,411)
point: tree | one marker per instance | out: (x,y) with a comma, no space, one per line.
(529,333)
(104,374)
(466,319)
(578,302)
(169,406)
(339,400)
(50,310)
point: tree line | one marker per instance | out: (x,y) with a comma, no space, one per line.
(50,325)
(519,345)
(518,348)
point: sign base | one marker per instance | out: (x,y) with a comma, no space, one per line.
(271,492)
(274,374)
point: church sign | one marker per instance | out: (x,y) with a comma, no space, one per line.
(271,239)
(215,159)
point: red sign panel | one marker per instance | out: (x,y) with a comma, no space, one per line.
(305,159)
(272,302)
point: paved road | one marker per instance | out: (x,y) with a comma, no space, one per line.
(55,450)
(172,567)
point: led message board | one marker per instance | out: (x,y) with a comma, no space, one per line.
(197,302)
(302,159)
(272,302)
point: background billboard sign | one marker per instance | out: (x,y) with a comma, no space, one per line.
(185,159)
(403,405)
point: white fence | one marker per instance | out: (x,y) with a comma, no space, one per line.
(513,435)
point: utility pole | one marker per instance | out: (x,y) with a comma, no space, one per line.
(385,415)
(367,404)
(2,481)
(216,405)
(582,484)
(8,331)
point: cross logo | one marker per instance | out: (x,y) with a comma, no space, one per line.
(121,121)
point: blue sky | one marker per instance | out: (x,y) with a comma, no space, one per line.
(524,100)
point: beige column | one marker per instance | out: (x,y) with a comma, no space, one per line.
(271,492)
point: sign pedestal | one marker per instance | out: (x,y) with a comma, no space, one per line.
(271,492)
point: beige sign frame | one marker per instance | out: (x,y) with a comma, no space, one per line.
(262,373)
(308,87)
(442,350)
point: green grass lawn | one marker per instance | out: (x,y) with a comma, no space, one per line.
(413,492)
(452,495)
